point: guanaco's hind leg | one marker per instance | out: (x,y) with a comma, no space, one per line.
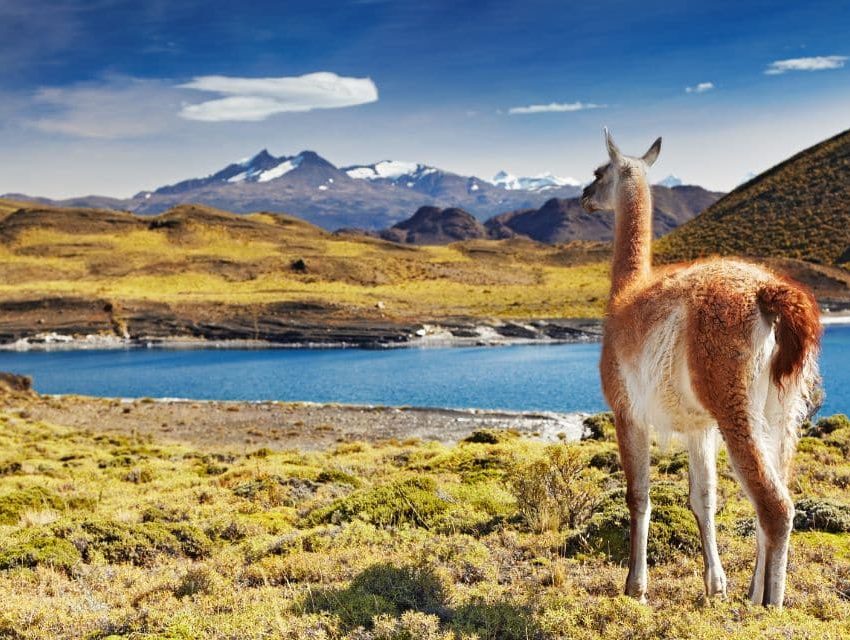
(702,475)
(774,508)
(633,442)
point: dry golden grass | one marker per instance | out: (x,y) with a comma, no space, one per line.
(105,536)
(798,209)
(197,254)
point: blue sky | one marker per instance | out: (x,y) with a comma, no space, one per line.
(113,97)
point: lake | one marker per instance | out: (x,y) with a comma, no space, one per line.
(522,378)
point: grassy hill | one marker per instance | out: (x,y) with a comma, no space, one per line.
(798,209)
(196,255)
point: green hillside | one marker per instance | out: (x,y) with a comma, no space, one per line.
(798,209)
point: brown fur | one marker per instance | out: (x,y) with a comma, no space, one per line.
(798,329)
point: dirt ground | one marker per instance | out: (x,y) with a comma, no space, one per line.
(278,425)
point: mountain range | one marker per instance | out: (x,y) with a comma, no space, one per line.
(556,221)
(367,196)
(370,196)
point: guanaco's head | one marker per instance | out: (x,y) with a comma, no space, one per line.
(601,194)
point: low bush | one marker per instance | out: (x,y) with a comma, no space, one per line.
(599,426)
(672,527)
(491,436)
(821,515)
(499,620)
(29,548)
(14,504)
(558,489)
(412,501)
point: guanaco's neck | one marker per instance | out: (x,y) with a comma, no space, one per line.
(632,235)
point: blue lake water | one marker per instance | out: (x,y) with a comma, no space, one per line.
(523,378)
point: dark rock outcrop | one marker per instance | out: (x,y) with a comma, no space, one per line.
(432,225)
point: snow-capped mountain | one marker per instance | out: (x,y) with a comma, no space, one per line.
(542,182)
(368,196)
(262,167)
(412,175)
(670,181)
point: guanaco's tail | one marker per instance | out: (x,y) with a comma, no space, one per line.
(798,330)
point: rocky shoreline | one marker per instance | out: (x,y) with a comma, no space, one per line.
(64,323)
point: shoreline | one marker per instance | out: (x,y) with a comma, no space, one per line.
(428,335)
(213,424)
(425,335)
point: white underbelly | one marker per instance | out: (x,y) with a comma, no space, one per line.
(658,383)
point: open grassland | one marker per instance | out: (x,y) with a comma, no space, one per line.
(194,255)
(496,537)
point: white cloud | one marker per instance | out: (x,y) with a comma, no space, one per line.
(554,107)
(702,87)
(816,63)
(255,99)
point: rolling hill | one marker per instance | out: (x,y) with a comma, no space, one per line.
(198,271)
(799,209)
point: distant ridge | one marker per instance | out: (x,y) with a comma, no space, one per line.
(557,221)
(798,209)
(432,225)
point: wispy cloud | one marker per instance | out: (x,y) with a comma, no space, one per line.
(555,107)
(111,108)
(255,99)
(815,63)
(701,87)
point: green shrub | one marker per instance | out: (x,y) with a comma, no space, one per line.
(491,436)
(559,489)
(822,515)
(30,548)
(194,543)
(607,460)
(13,505)
(138,544)
(828,424)
(672,463)
(672,527)
(599,426)
(196,580)
(410,501)
(496,621)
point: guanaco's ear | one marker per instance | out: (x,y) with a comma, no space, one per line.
(613,151)
(652,155)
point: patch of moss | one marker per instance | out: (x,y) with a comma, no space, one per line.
(30,548)
(672,527)
(14,504)
(336,476)
(411,501)
(822,515)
